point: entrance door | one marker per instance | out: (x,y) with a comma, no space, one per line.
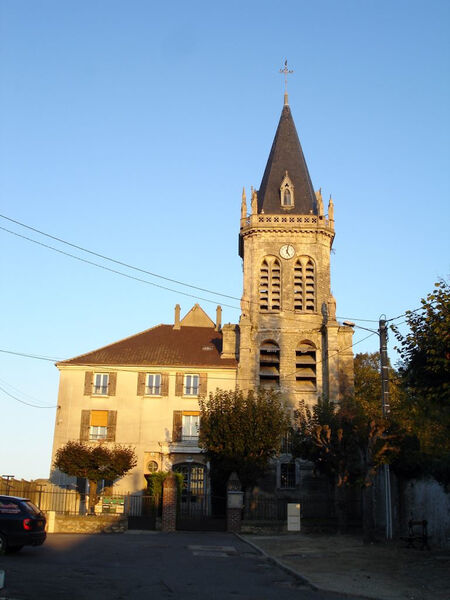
(194,500)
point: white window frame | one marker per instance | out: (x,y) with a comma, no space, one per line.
(191,384)
(155,388)
(100,389)
(190,427)
(98,432)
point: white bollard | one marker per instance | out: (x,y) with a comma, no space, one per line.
(51,521)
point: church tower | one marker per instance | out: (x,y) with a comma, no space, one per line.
(290,339)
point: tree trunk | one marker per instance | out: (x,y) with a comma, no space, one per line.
(368,515)
(340,507)
(93,497)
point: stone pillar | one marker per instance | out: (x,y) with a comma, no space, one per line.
(169,507)
(234,504)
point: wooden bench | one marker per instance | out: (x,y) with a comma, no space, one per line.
(417,533)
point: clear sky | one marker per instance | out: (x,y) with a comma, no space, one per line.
(130,127)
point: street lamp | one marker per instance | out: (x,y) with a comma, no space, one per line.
(384,367)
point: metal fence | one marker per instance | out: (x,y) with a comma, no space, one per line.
(71,502)
(259,508)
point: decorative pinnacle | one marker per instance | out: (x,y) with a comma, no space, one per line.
(286,72)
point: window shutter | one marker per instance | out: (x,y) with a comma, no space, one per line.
(177,425)
(203,384)
(85,424)
(179,384)
(88,377)
(112,421)
(141,384)
(112,384)
(165,384)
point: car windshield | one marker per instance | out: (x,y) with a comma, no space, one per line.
(32,507)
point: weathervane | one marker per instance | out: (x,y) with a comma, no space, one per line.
(286,72)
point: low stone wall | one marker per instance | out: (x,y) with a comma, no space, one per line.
(87,524)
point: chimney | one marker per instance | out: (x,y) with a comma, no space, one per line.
(218,318)
(230,339)
(177,324)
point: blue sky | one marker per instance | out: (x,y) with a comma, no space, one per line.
(129,128)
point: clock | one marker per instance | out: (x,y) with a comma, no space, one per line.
(287,251)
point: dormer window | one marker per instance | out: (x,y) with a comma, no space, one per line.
(287,192)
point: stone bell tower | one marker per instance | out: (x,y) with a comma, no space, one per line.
(290,339)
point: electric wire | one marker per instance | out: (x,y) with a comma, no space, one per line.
(127,265)
(23,401)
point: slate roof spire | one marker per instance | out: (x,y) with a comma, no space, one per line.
(286,155)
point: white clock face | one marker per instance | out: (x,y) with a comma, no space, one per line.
(287,251)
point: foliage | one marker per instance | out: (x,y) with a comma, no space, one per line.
(368,384)
(424,372)
(241,432)
(155,482)
(95,463)
(348,446)
(342,441)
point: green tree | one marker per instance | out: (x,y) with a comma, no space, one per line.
(94,463)
(348,446)
(424,372)
(241,432)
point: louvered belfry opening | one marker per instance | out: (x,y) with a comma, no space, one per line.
(304,285)
(269,365)
(305,367)
(270,284)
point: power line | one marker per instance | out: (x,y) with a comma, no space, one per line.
(23,401)
(127,265)
(117,262)
(36,356)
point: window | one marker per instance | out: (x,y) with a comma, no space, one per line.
(152,466)
(269,364)
(286,443)
(190,427)
(98,426)
(287,475)
(305,366)
(270,284)
(287,192)
(153,384)
(101,382)
(304,285)
(191,384)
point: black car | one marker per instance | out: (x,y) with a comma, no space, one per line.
(21,524)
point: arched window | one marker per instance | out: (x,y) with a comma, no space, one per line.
(269,364)
(270,284)
(304,285)
(287,192)
(305,366)
(287,200)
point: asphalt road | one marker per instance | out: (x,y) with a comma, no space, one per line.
(183,565)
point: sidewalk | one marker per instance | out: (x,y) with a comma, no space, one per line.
(385,571)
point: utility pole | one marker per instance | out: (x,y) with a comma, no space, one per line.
(384,364)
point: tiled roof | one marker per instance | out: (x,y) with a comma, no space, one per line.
(160,346)
(286,155)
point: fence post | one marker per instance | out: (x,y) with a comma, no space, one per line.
(169,505)
(234,504)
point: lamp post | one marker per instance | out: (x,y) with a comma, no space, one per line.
(385,407)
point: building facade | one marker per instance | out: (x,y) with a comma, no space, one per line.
(144,390)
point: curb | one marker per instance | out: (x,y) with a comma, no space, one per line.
(279,564)
(298,575)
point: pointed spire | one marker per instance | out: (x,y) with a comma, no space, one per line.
(286,155)
(243,204)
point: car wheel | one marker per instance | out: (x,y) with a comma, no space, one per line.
(14,548)
(2,543)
